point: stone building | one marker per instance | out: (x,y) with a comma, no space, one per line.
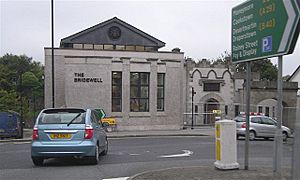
(218,88)
(214,90)
(119,68)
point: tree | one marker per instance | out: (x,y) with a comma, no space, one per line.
(21,85)
(9,101)
(267,70)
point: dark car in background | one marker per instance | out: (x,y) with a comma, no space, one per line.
(65,132)
(260,127)
(11,125)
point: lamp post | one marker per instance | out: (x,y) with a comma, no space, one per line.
(193,93)
(52,51)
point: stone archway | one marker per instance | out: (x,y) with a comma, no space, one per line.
(269,108)
(210,105)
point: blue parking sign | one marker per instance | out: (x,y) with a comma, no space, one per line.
(267,44)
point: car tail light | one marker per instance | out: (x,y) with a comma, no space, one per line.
(244,125)
(88,134)
(35,133)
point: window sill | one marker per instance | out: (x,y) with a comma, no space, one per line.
(161,114)
(139,114)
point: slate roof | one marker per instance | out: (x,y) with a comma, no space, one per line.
(99,34)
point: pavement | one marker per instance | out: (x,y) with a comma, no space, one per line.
(210,173)
(185,173)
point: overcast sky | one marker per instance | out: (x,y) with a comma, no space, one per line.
(201,29)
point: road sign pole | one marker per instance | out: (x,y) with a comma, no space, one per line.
(296,148)
(248,79)
(278,136)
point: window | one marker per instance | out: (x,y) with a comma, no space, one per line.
(116,91)
(88,46)
(130,48)
(226,110)
(67,45)
(267,112)
(211,87)
(94,118)
(239,119)
(260,109)
(256,120)
(236,110)
(160,92)
(109,47)
(77,46)
(139,92)
(98,46)
(139,48)
(150,49)
(268,121)
(120,47)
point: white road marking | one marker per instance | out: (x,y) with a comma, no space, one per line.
(134,154)
(119,178)
(21,142)
(186,153)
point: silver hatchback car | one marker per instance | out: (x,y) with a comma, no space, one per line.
(260,126)
(65,132)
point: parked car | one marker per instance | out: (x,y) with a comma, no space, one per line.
(260,126)
(11,125)
(62,132)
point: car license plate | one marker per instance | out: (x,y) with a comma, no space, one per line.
(60,136)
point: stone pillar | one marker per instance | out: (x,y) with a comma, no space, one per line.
(153,89)
(126,89)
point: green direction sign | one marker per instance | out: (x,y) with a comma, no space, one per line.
(101,113)
(264,28)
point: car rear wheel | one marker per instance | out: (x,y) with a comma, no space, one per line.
(252,135)
(284,136)
(95,159)
(38,161)
(104,152)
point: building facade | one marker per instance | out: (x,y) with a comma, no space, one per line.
(117,67)
(220,93)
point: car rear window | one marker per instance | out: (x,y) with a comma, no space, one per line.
(62,116)
(240,119)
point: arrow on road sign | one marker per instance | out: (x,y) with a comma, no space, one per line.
(292,19)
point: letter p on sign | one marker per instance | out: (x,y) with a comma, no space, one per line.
(267,44)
